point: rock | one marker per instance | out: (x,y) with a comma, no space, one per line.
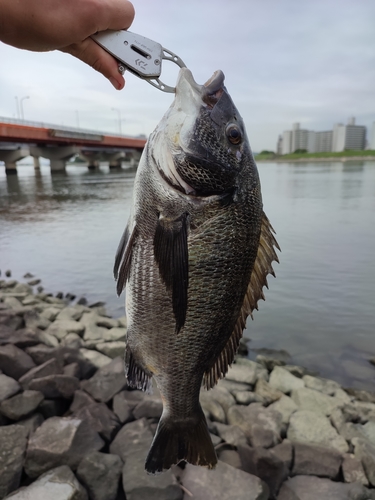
(73,356)
(92,330)
(247,397)
(8,387)
(312,460)
(365,411)
(112,349)
(8,274)
(97,359)
(42,353)
(268,362)
(282,380)
(100,473)
(245,374)
(122,408)
(72,340)
(219,394)
(224,482)
(311,427)
(285,406)
(60,441)
(260,425)
(11,319)
(266,392)
(61,327)
(230,457)
(365,452)
(55,386)
(313,488)
(284,452)
(107,381)
(107,322)
(58,484)
(349,431)
(72,370)
(313,400)
(50,367)
(369,431)
(34,320)
(232,386)
(31,423)
(53,407)
(297,371)
(352,470)
(80,400)
(13,439)
(100,418)
(361,395)
(150,407)
(70,314)
(50,313)
(214,410)
(14,362)
(231,434)
(21,405)
(132,444)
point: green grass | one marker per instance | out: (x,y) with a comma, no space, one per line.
(298,156)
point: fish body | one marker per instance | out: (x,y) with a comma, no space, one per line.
(194,258)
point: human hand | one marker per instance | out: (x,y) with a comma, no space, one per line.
(43,25)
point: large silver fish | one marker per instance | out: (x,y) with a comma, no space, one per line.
(194,258)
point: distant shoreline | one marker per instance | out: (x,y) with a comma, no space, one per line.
(306,160)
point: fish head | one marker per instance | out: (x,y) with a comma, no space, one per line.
(203,146)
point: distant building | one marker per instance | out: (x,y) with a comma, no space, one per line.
(342,137)
(279,145)
(372,139)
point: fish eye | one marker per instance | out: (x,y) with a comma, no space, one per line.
(234,133)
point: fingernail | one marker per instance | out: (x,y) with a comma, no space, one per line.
(115,83)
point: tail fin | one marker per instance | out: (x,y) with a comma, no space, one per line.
(181,440)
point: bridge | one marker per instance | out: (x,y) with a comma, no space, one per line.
(19,139)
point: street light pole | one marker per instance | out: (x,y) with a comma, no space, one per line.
(21,106)
(17,107)
(119,118)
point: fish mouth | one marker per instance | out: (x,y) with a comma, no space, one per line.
(210,92)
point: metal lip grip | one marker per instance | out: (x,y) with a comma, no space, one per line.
(139,55)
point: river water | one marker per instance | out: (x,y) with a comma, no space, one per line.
(65,228)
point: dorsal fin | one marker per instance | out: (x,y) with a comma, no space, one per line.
(263,265)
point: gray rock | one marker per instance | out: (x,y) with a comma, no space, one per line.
(230,457)
(243,373)
(365,452)
(53,407)
(342,395)
(282,380)
(231,434)
(313,488)
(285,406)
(11,319)
(233,386)
(219,394)
(107,322)
(42,353)
(215,439)
(134,397)
(352,470)
(87,369)
(247,397)
(72,370)
(72,340)
(311,427)
(112,349)
(100,418)
(13,439)
(265,465)
(115,334)
(107,381)
(312,460)
(80,400)
(349,431)
(361,395)
(61,328)
(122,408)
(31,423)
(268,362)
(100,473)
(92,330)
(34,320)
(321,384)
(260,425)
(60,441)
(50,367)
(214,410)
(8,387)
(70,313)
(284,452)
(14,362)
(58,484)
(369,431)
(132,444)
(313,400)
(21,405)
(224,482)
(365,411)
(97,359)
(55,386)
(150,407)
(266,392)
(50,313)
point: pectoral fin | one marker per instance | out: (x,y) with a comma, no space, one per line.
(171,254)
(123,258)
(262,267)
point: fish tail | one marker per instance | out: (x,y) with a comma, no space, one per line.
(186,439)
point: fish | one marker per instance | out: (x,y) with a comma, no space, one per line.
(194,259)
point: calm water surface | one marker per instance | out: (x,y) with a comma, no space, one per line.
(65,229)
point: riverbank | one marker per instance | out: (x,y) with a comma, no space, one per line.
(69,425)
(319,157)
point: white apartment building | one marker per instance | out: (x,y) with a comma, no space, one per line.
(348,136)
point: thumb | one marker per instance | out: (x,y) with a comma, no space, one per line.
(92,54)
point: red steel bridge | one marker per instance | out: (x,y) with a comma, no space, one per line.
(19,139)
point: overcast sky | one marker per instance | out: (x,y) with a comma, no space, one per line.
(285,61)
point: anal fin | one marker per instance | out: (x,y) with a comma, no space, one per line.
(258,279)
(137,377)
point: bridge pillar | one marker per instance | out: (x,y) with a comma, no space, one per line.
(57,155)
(134,160)
(11,156)
(36,162)
(92,158)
